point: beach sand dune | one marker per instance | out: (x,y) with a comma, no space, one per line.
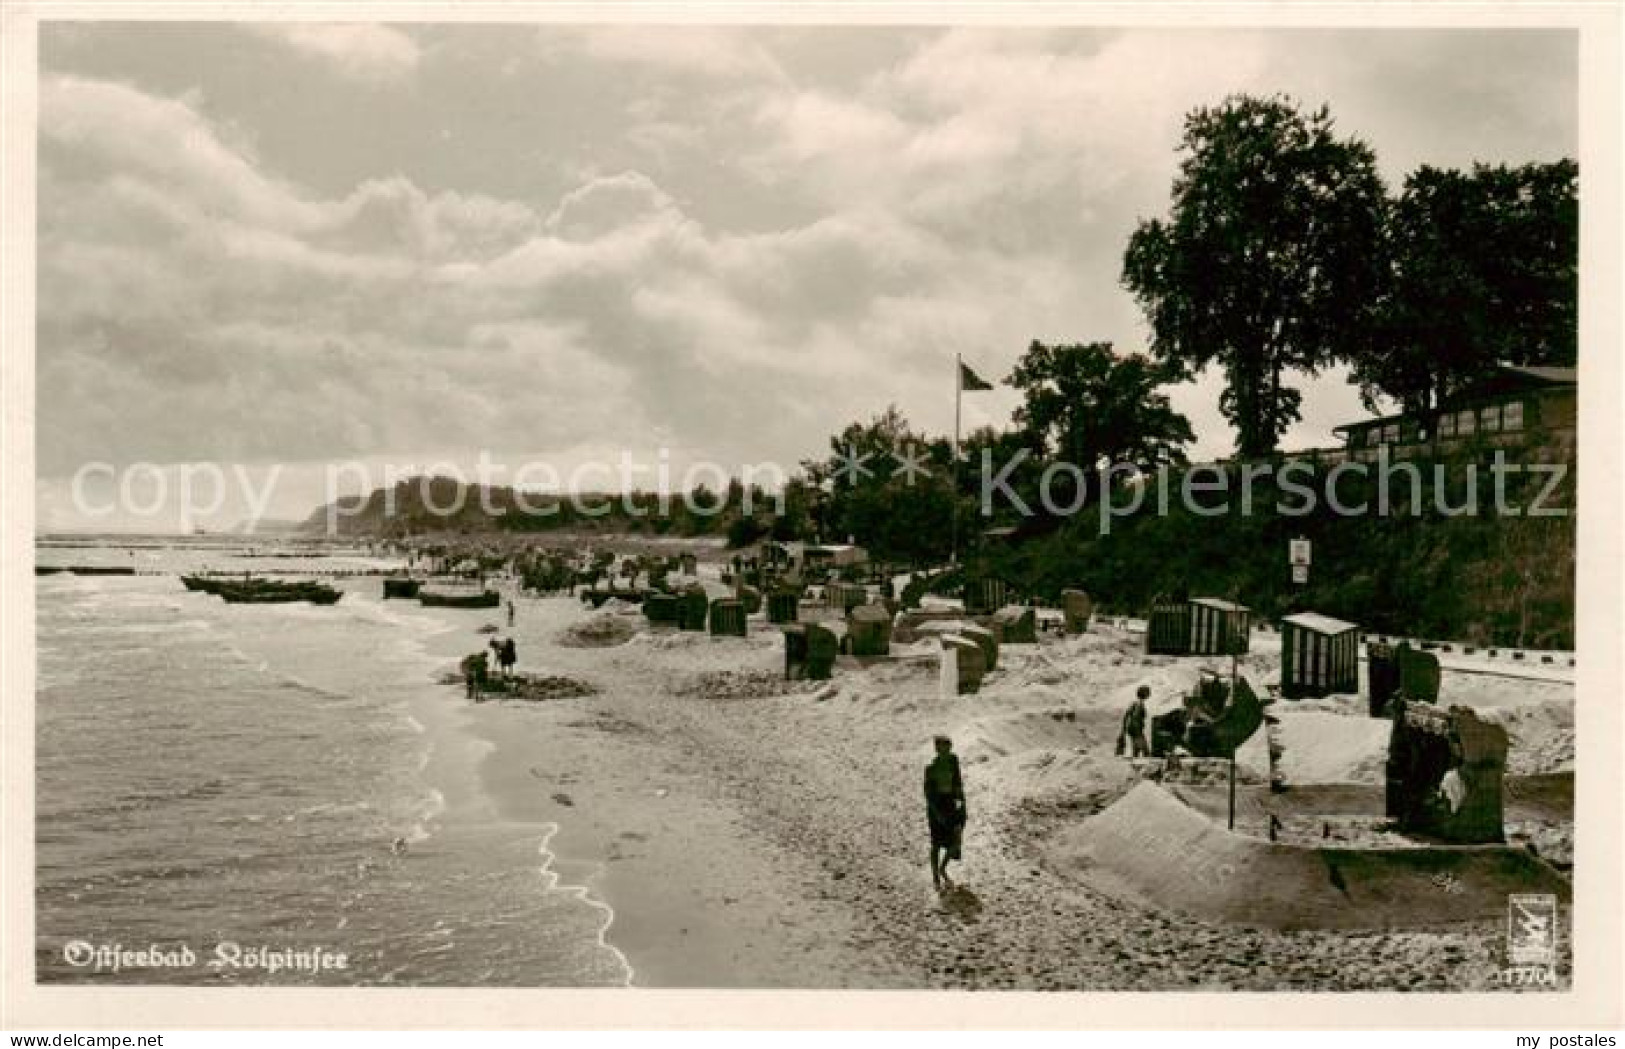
(1152,845)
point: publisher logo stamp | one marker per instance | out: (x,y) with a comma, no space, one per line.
(1532,930)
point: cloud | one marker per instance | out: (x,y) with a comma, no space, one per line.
(163,140)
(741,260)
(197,306)
(365,52)
(712,52)
(608,203)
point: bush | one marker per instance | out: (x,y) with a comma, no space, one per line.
(744,531)
(1477,578)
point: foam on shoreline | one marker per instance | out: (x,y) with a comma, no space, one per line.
(584,894)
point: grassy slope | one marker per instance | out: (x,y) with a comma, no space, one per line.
(1479,578)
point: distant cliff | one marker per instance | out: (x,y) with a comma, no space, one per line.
(439,505)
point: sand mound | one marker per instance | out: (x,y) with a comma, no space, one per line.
(1540,737)
(1050,730)
(1330,748)
(604,630)
(538,687)
(1253,757)
(1063,785)
(1151,847)
(1202,772)
(1332,740)
(738,684)
(1343,705)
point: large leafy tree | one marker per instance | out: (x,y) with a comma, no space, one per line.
(1483,270)
(1270,260)
(900,515)
(1085,405)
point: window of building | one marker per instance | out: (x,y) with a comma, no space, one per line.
(1512,415)
(1390,434)
(1465,422)
(1447,425)
(1490,419)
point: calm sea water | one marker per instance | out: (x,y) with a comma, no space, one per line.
(216,774)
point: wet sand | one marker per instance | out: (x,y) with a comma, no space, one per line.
(749,837)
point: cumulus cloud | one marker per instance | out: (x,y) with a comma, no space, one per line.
(721,52)
(366,52)
(255,319)
(163,140)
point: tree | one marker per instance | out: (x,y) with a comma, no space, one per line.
(797,519)
(1483,271)
(899,515)
(745,530)
(1270,260)
(1089,407)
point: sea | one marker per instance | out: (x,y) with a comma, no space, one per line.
(247,794)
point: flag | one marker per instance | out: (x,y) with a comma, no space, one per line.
(969,380)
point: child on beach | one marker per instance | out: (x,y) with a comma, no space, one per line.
(944,809)
(1133,734)
(508,655)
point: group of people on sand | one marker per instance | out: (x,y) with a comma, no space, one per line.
(477,667)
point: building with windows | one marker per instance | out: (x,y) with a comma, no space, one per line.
(1516,407)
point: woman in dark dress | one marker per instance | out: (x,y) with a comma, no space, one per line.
(944,809)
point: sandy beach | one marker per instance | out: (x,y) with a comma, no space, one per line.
(746,832)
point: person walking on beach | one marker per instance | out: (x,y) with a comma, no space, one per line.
(944,809)
(1133,738)
(508,656)
(510,612)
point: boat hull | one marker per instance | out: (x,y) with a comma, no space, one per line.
(487,599)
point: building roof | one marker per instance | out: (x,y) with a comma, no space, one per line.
(1540,374)
(1318,623)
(1365,424)
(1219,604)
(1556,376)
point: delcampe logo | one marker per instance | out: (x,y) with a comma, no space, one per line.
(1532,929)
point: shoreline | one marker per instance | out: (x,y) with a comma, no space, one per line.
(455,768)
(505,759)
(694,899)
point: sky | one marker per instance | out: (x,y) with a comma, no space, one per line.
(283,246)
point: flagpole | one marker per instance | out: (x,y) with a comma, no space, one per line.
(959,390)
